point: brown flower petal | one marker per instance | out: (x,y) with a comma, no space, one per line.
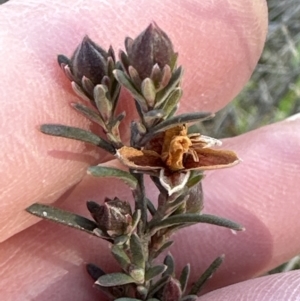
(140,159)
(211,159)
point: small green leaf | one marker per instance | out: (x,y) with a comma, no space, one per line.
(62,59)
(184,277)
(121,256)
(124,80)
(150,207)
(191,218)
(180,119)
(172,101)
(164,93)
(62,217)
(169,262)
(194,180)
(76,134)
(148,91)
(135,78)
(154,271)
(154,288)
(136,250)
(165,246)
(89,113)
(102,102)
(102,171)
(196,288)
(94,271)
(114,279)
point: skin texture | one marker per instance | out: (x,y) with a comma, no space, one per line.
(219,43)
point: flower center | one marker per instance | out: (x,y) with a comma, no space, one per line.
(179,146)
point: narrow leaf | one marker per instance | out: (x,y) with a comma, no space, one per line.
(89,113)
(172,101)
(194,180)
(180,119)
(158,285)
(94,271)
(62,59)
(154,271)
(137,253)
(163,247)
(149,91)
(76,134)
(121,256)
(102,102)
(114,279)
(190,218)
(125,81)
(62,217)
(164,93)
(184,277)
(101,171)
(169,262)
(150,207)
(196,288)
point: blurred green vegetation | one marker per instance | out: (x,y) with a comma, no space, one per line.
(273,92)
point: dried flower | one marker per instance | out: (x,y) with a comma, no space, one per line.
(176,151)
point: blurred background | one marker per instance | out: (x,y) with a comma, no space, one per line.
(273,92)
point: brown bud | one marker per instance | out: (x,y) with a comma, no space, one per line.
(151,47)
(90,60)
(172,291)
(113,217)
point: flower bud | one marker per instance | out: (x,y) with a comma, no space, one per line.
(113,217)
(151,47)
(172,290)
(89,60)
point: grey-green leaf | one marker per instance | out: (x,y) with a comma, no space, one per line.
(102,171)
(180,119)
(76,134)
(172,101)
(102,102)
(154,271)
(191,218)
(198,285)
(62,217)
(154,288)
(125,81)
(164,93)
(121,256)
(137,253)
(184,277)
(148,91)
(165,246)
(114,279)
(89,113)
(170,263)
